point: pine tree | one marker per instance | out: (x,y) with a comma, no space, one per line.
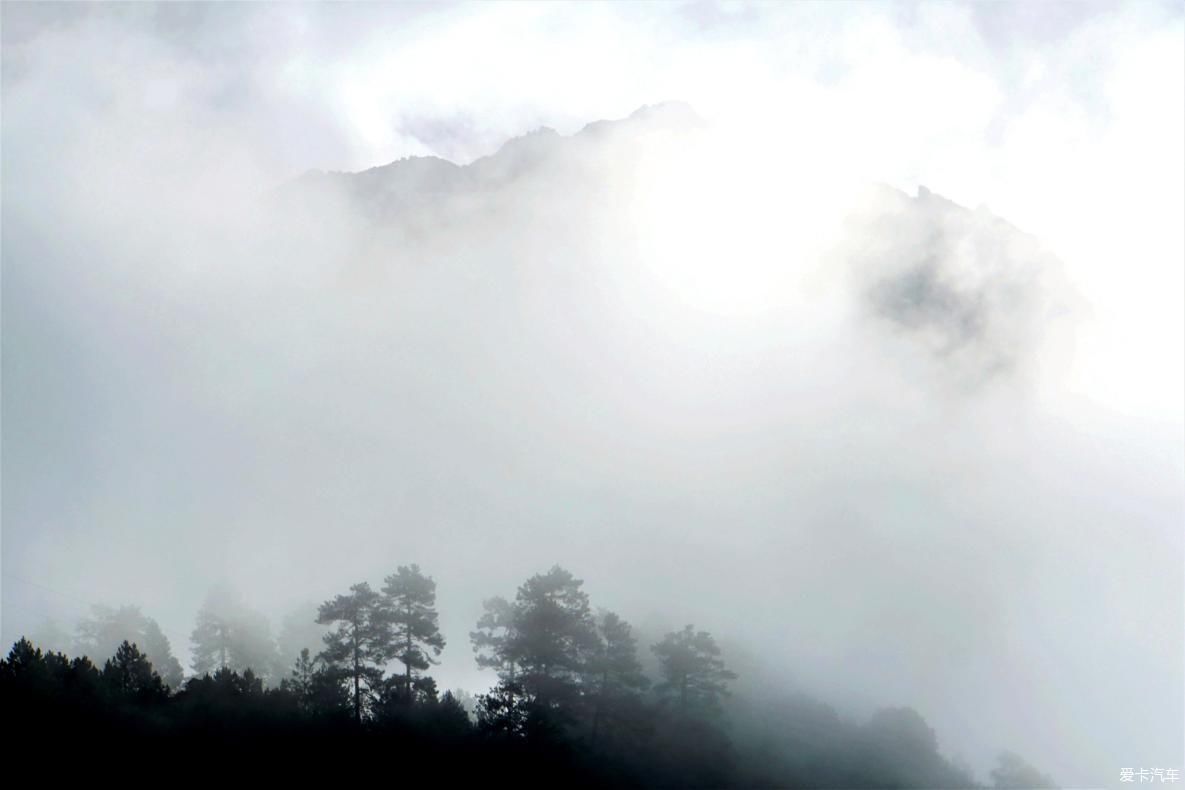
(694,675)
(316,688)
(493,638)
(615,676)
(210,641)
(359,645)
(23,659)
(107,628)
(450,716)
(410,599)
(554,636)
(158,651)
(129,674)
(229,635)
(299,630)
(540,646)
(300,681)
(503,711)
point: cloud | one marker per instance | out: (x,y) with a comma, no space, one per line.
(969,287)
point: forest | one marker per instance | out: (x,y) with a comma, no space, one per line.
(577,702)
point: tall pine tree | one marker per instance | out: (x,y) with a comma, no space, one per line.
(554,635)
(541,646)
(358,645)
(410,601)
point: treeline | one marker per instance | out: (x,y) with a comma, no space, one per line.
(572,705)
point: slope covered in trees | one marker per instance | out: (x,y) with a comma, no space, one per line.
(572,704)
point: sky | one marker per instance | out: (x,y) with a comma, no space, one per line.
(723,395)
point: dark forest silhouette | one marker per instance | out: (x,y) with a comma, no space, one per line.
(572,704)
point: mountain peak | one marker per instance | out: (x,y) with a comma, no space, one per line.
(393,189)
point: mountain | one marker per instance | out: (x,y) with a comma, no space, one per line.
(389,192)
(965,284)
(632,206)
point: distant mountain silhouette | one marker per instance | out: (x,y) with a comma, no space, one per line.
(961,284)
(389,192)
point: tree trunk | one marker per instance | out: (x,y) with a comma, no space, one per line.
(407,655)
(600,705)
(357,673)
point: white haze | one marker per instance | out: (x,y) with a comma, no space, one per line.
(682,382)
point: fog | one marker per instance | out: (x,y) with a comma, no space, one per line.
(855,335)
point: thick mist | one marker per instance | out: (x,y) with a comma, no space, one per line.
(868,358)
